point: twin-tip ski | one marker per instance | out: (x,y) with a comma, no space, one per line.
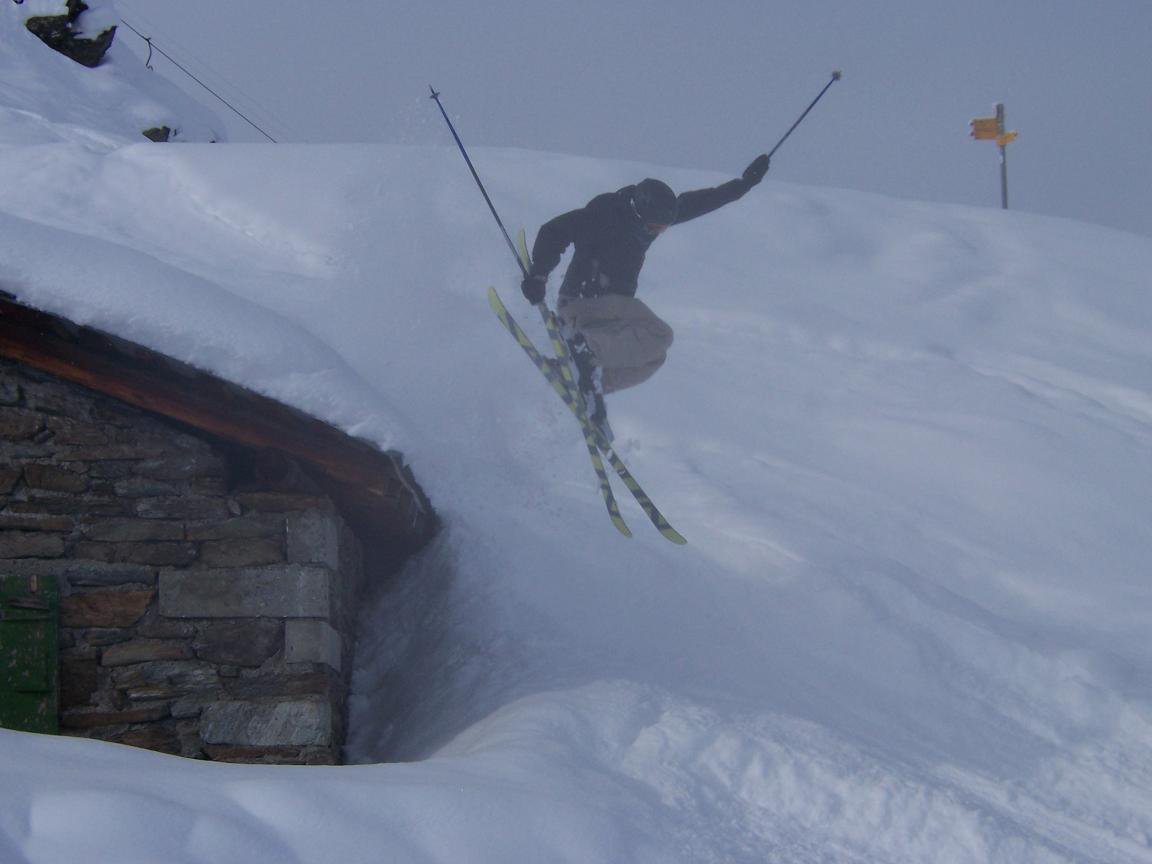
(558,372)
(566,365)
(571,399)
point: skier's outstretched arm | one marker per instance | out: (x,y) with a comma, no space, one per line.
(689,205)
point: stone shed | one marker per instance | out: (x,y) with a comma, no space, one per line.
(181,558)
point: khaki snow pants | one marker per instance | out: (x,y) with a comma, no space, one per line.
(629,341)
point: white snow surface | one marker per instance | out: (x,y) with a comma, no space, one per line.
(909,445)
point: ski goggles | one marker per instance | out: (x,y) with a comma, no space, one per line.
(652,229)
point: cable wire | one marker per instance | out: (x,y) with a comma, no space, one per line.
(257,109)
(178,65)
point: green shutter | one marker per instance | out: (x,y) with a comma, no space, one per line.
(28,653)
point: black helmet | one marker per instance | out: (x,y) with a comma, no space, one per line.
(654,203)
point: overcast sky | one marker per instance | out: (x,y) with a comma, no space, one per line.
(709,85)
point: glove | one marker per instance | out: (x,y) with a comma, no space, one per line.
(534,288)
(755,172)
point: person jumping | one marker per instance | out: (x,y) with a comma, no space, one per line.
(616,341)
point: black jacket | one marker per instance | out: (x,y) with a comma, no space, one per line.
(610,241)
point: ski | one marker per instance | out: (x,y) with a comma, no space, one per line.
(560,348)
(558,372)
(654,515)
(570,397)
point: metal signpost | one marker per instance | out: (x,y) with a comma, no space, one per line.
(992,129)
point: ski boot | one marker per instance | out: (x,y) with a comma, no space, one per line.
(590,382)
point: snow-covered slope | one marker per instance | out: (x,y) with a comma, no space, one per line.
(45,97)
(908,444)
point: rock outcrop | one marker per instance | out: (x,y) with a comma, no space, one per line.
(65,33)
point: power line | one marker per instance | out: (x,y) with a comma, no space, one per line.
(257,109)
(177,64)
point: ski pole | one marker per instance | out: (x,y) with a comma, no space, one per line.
(836,76)
(479,182)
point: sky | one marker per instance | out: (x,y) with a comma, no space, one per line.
(692,85)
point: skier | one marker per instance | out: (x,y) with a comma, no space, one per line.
(615,339)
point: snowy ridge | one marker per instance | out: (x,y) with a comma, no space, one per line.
(47,98)
(908,444)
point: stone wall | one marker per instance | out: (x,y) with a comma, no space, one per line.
(207,602)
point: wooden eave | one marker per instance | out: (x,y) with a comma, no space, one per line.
(374,486)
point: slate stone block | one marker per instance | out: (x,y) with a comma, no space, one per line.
(94,719)
(290,723)
(92,574)
(52,478)
(314,538)
(185,675)
(240,643)
(133,530)
(78,681)
(30,544)
(9,474)
(36,522)
(238,528)
(248,552)
(145,651)
(158,554)
(286,591)
(312,641)
(182,507)
(19,425)
(104,608)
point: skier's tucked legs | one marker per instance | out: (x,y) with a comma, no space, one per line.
(627,340)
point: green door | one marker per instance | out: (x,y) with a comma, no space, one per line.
(28,653)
